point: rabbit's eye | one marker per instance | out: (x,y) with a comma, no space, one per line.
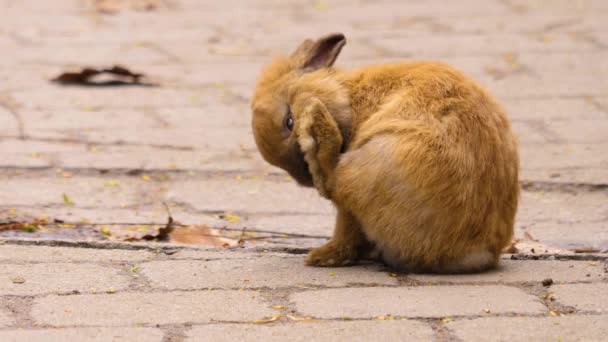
(288,122)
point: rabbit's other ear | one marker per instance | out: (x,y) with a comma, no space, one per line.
(322,53)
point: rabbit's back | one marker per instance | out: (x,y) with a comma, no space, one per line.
(437,162)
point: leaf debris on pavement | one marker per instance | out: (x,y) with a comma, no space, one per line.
(67,200)
(114,76)
(30,226)
(115,6)
(267,320)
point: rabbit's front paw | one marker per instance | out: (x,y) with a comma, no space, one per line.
(319,138)
(332,254)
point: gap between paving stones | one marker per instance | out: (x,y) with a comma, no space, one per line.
(170,249)
(275,176)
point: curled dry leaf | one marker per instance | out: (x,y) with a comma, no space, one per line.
(200,235)
(115,6)
(586,250)
(18,280)
(268,320)
(301,319)
(114,76)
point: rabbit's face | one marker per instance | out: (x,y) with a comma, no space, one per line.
(272,119)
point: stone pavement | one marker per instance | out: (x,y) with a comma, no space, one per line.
(119,153)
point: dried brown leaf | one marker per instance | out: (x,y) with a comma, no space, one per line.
(114,76)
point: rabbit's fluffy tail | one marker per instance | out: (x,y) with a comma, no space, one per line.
(473,262)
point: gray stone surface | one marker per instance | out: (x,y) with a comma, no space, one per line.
(583,297)
(30,279)
(566,328)
(5,319)
(273,272)
(524,271)
(15,253)
(316,331)
(190,136)
(150,308)
(83,334)
(433,301)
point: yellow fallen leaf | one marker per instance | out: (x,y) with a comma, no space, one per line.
(269,320)
(278,307)
(111,290)
(92,149)
(447,319)
(592,263)
(35,155)
(331,274)
(135,268)
(393,275)
(145,177)
(11,211)
(105,230)
(67,200)
(66,225)
(230,217)
(67,174)
(553,313)
(301,319)
(111,183)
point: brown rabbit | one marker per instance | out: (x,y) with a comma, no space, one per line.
(418,159)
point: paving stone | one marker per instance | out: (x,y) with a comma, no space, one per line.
(558,109)
(435,301)
(565,328)
(8,123)
(524,271)
(79,189)
(314,225)
(18,254)
(587,131)
(273,272)
(588,234)
(249,195)
(317,331)
(28,153)
(33,279)
(5,319)
(199,128)
(54,97)
(544,206)
(583,297)
(150,308)
(83,334)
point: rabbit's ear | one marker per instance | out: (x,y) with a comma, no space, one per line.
(322,53)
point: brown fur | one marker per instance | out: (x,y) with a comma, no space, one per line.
(418,158)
